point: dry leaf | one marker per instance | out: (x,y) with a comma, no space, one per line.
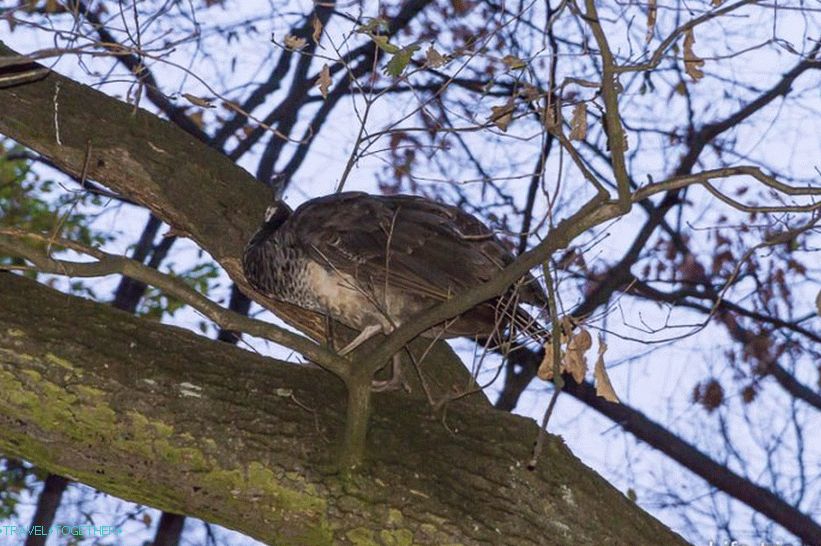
(231,105)
(549,117)
(501,116)
(529,92)
(603,386)
(317,26)
(716,3)
(324,81)
(198,101)
(433,58)
(578,125)
(197,118)
(818,303)
(545,371)
(295,43)
(575,361)
(513,62)
(692,62)
(652,10)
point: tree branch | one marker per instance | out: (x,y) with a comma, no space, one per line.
(249,449)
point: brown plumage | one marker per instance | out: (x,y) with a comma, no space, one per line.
(372,262)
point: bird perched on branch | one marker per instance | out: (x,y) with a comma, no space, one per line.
(372,262)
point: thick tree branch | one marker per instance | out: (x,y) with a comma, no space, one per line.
(249,449)
(719,476)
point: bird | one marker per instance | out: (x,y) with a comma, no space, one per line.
(372,262)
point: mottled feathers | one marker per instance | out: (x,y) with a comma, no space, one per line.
(388,257)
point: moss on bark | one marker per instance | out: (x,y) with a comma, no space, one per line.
(160,416)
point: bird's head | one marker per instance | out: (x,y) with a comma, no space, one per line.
(276,214)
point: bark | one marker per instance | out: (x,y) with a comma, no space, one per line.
(47,504)
(160,416)
(169,530)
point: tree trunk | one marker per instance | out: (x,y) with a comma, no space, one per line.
(47,504)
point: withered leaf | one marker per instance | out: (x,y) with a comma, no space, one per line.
(513,62)
(324,81)
(294,42)
(545,371)
(433,58)
(317,26)
(549,117)
(501,116)
(529,92)
(198,101)
(652,11)
(575,361)
(578,125)
(197,118)
(692,62)
(603,386)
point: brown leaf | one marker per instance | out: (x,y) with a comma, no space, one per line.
(317,26)
(549,118)
(578,125)
(603,386)
(529,92)
(324,81)
(233,106)
(433,58)
(716,3)
(576,363)
(501,116)
(692,62)
(818,303)
(295,43)
(198,101)
(513,62)
(652,11)
(545,371)
(196,117)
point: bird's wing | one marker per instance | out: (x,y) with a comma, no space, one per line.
(407,242)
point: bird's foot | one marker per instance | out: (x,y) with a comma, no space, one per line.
(396,382)
(363,336)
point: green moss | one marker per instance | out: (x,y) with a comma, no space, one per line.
(62,362)
(361,536)
(396,537)
(83,412)
(88,393)
(395,517)
(33,375)
(14,332)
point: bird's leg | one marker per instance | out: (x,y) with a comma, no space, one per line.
(396,381)
(363,336)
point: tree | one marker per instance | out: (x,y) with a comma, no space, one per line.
(134,157)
